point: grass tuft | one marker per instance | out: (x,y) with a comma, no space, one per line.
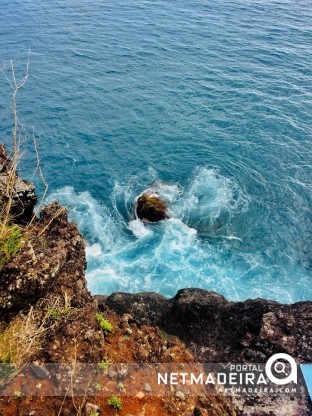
(104,323)
(11,240)
(55,314)
(115,402)
(20,340)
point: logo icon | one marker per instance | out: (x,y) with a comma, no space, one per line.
(280,367)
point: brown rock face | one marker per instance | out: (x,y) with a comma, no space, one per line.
(52,257)
(48,273)
(217,330)
(151,208)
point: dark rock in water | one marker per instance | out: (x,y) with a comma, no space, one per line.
(151,208)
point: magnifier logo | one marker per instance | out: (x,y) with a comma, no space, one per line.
(280,368)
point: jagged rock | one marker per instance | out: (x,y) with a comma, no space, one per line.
(53,257)
(217,330)
(23,193)
(49,267)
(151,208)
(180,395)
(92,409)
(140,395)
(148,305)
(147,388)
(199,411)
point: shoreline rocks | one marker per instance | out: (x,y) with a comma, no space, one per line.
(216,330)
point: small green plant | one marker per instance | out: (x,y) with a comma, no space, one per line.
(104,323)
(17,394)
(120,386)
(115,402)
(7,370)
(94,414)
(55,314)
(103,366)
(11,238)
(164,336)
(97,387)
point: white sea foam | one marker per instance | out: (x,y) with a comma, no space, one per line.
(94,250)
(124,254)
(138,228)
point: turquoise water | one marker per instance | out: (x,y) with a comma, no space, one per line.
(212,101)
(307,374)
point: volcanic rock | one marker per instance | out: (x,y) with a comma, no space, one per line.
(52,257)
(151,208)
(217,330)
(21,192)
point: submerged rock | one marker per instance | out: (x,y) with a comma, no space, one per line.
(150,207)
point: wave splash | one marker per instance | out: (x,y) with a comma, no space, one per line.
(198,246)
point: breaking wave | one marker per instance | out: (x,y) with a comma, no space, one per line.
(201,245)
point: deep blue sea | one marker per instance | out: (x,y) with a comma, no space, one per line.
(209,100)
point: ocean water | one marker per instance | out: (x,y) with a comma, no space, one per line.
(210,102)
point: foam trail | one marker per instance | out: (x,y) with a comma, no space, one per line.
(138,228)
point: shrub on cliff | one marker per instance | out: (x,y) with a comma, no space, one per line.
(11,239)
(115,402)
